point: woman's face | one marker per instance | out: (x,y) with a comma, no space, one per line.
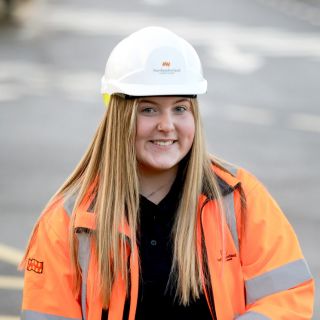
(165,132)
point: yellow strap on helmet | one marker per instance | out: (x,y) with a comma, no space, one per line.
(106,99)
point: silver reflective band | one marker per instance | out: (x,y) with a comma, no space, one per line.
(34,315)
(83,258)
(251,315)
(231,167)
(231,218)
(279,279)
(69,203)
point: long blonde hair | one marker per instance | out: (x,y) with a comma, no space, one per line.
(111,161)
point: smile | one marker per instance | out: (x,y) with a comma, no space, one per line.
(163,142)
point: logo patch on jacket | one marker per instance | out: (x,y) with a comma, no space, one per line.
(228,256)
(35,265)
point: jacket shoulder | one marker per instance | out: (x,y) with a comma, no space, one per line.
(234,176)
(248,180)
(55,218)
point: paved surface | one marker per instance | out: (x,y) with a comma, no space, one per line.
(261,59)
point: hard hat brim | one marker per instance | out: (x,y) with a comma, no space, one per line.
(153,90)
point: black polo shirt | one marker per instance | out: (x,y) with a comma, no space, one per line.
(155,300)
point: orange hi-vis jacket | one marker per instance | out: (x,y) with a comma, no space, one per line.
(260,274)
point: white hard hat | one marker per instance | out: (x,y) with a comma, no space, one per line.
(153,61)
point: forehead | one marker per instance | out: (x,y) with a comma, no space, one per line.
(160,100)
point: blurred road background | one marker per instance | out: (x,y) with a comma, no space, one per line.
(262,61)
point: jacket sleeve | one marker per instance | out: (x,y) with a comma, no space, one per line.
(278,282)
(48,288)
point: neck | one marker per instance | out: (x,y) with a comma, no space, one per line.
(154,185)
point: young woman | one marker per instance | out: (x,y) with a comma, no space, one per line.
(149,225)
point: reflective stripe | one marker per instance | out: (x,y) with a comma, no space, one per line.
(276,280)
(34,315)
(231,218)
(69,204)
(231,168)
(83,258)
(230,210)
(251,315)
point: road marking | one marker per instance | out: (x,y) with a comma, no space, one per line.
(19,78)
(7,282)
(10,254)
(300,10)
(259,116)
(250,115)
(305,122)
(4,317)
(228,57)
(156,3)
(232,47)
(7,92)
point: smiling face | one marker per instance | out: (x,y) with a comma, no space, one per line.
(165,132)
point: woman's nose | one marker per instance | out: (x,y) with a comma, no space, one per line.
(165,122)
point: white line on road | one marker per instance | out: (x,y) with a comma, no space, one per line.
(4,317)
(300,10)
(305,122)
(261,116)
(10,254)
(156,3)
(19,78)
(232,47)
(250,115)
(11,283)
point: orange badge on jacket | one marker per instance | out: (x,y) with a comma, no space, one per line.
(35,265)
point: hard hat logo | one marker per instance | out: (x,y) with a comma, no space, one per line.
(166,70)
(166,63)
(136,63)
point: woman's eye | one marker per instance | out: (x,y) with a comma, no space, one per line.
(147,110)
(181,109)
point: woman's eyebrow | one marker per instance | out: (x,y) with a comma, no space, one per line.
(182,100)
(147,101)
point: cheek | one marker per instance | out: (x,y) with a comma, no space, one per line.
(188,130)
(144,127)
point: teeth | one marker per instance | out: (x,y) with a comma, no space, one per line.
(163,143)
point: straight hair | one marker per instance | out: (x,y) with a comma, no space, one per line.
(109,170)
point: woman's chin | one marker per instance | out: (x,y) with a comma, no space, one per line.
(158,166)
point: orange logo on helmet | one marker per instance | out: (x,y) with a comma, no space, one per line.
(35,265)
(166,63)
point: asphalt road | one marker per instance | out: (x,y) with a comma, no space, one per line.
(262,61)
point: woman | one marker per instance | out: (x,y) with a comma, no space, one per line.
(149,225)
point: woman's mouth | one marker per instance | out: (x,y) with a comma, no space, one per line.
(163,142)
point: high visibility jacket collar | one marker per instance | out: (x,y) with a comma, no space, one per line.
(86,219)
